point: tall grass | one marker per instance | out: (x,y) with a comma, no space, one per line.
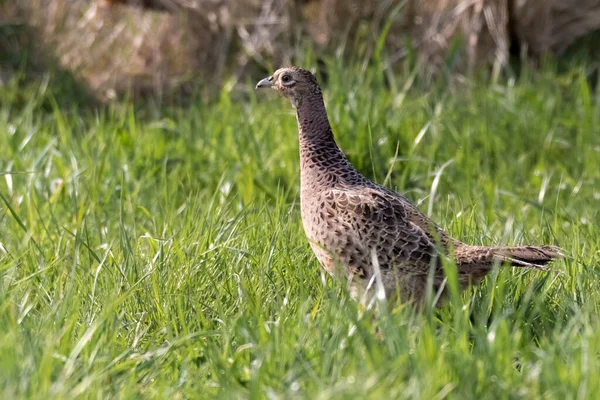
(158,253)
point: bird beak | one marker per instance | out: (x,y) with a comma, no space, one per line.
(265,83)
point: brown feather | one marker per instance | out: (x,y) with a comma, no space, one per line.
(348,218)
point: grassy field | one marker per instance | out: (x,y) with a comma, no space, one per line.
(158,252)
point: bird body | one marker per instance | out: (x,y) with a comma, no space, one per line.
(349,220)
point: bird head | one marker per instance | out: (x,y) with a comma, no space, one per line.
(292,82)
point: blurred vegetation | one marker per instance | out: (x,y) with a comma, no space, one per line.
(171,49)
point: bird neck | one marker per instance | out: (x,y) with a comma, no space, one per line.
(313,124)
(319,154)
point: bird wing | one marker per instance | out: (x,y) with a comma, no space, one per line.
(383,222)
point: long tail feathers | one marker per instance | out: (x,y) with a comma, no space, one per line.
(518,256)
(527,256)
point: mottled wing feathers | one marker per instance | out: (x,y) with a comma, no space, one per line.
(379,221)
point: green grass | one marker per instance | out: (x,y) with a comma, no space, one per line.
(158,253)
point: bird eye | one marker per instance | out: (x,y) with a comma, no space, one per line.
(286,79)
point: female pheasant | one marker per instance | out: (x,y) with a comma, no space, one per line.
(358,228)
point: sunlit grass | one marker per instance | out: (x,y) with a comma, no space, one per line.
(159,252)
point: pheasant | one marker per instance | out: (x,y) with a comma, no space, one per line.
(363,231)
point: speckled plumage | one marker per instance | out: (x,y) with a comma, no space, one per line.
(348,218)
